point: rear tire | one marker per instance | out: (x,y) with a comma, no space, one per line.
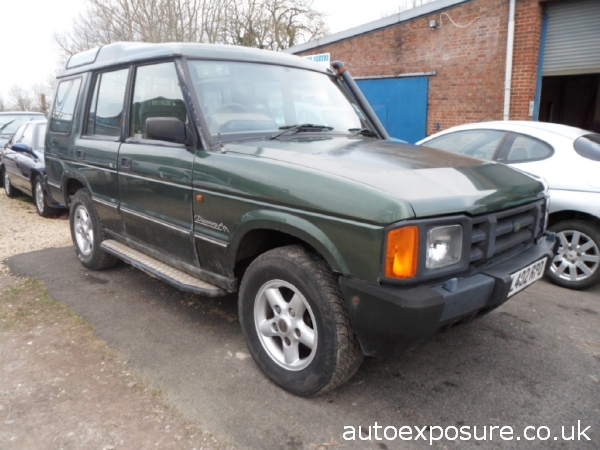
(87,233)
(295,322)
(576,264)
(39,198)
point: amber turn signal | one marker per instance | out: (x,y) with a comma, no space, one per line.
(200,198)
(402,253)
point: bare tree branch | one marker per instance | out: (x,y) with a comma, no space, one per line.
(20,99)
(272,24)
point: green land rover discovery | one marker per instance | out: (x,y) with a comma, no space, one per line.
(222,169)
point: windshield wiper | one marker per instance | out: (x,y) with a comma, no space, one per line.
(4,125)
(362,132)
(303,128)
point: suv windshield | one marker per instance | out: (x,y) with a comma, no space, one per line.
(10,122)
(242,100)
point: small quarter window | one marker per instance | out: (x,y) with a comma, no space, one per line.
(64,106)
(588,146)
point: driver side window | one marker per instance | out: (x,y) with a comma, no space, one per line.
(16,138)
(27,137)
(156,94)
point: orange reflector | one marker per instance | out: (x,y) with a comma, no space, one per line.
(402,255)
(200,198)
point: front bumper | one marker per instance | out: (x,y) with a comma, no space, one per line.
(391,320)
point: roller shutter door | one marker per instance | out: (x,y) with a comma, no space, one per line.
(573,38)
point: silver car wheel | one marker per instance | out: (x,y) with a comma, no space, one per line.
(285,325)
(577,257)
(7,186)
(39,196)
(84,232)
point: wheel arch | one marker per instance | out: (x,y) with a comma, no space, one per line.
(561,216)
(261,231)
(71,185)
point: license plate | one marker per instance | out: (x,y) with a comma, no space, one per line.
(527,275)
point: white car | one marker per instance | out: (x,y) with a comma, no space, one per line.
(568,159)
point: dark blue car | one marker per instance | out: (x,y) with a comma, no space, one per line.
(23,169)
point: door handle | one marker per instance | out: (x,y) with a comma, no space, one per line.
(126,163)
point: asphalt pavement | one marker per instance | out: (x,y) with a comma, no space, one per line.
(534,362)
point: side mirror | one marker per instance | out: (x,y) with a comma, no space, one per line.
(24,148)
(169,129)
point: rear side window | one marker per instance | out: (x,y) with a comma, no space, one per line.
(588,146)
(525,148)
(476,143)
(64,106)
(156,94)
(106,109)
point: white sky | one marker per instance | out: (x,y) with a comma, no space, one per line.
(28,55)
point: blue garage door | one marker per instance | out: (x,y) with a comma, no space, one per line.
(400,104)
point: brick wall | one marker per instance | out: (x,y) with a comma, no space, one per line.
(528,38)
(470,61)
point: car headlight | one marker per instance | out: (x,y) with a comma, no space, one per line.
(444,246)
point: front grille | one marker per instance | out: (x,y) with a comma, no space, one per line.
(495,234)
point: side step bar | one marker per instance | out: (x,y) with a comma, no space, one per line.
(157,269)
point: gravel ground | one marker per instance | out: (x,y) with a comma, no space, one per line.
(22,230)
(60,386)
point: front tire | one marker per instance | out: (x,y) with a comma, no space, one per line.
(11,191)
(295,322)
(39,197)
(87,233)
(576,264)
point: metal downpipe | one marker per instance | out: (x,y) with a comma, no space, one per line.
(509,59)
